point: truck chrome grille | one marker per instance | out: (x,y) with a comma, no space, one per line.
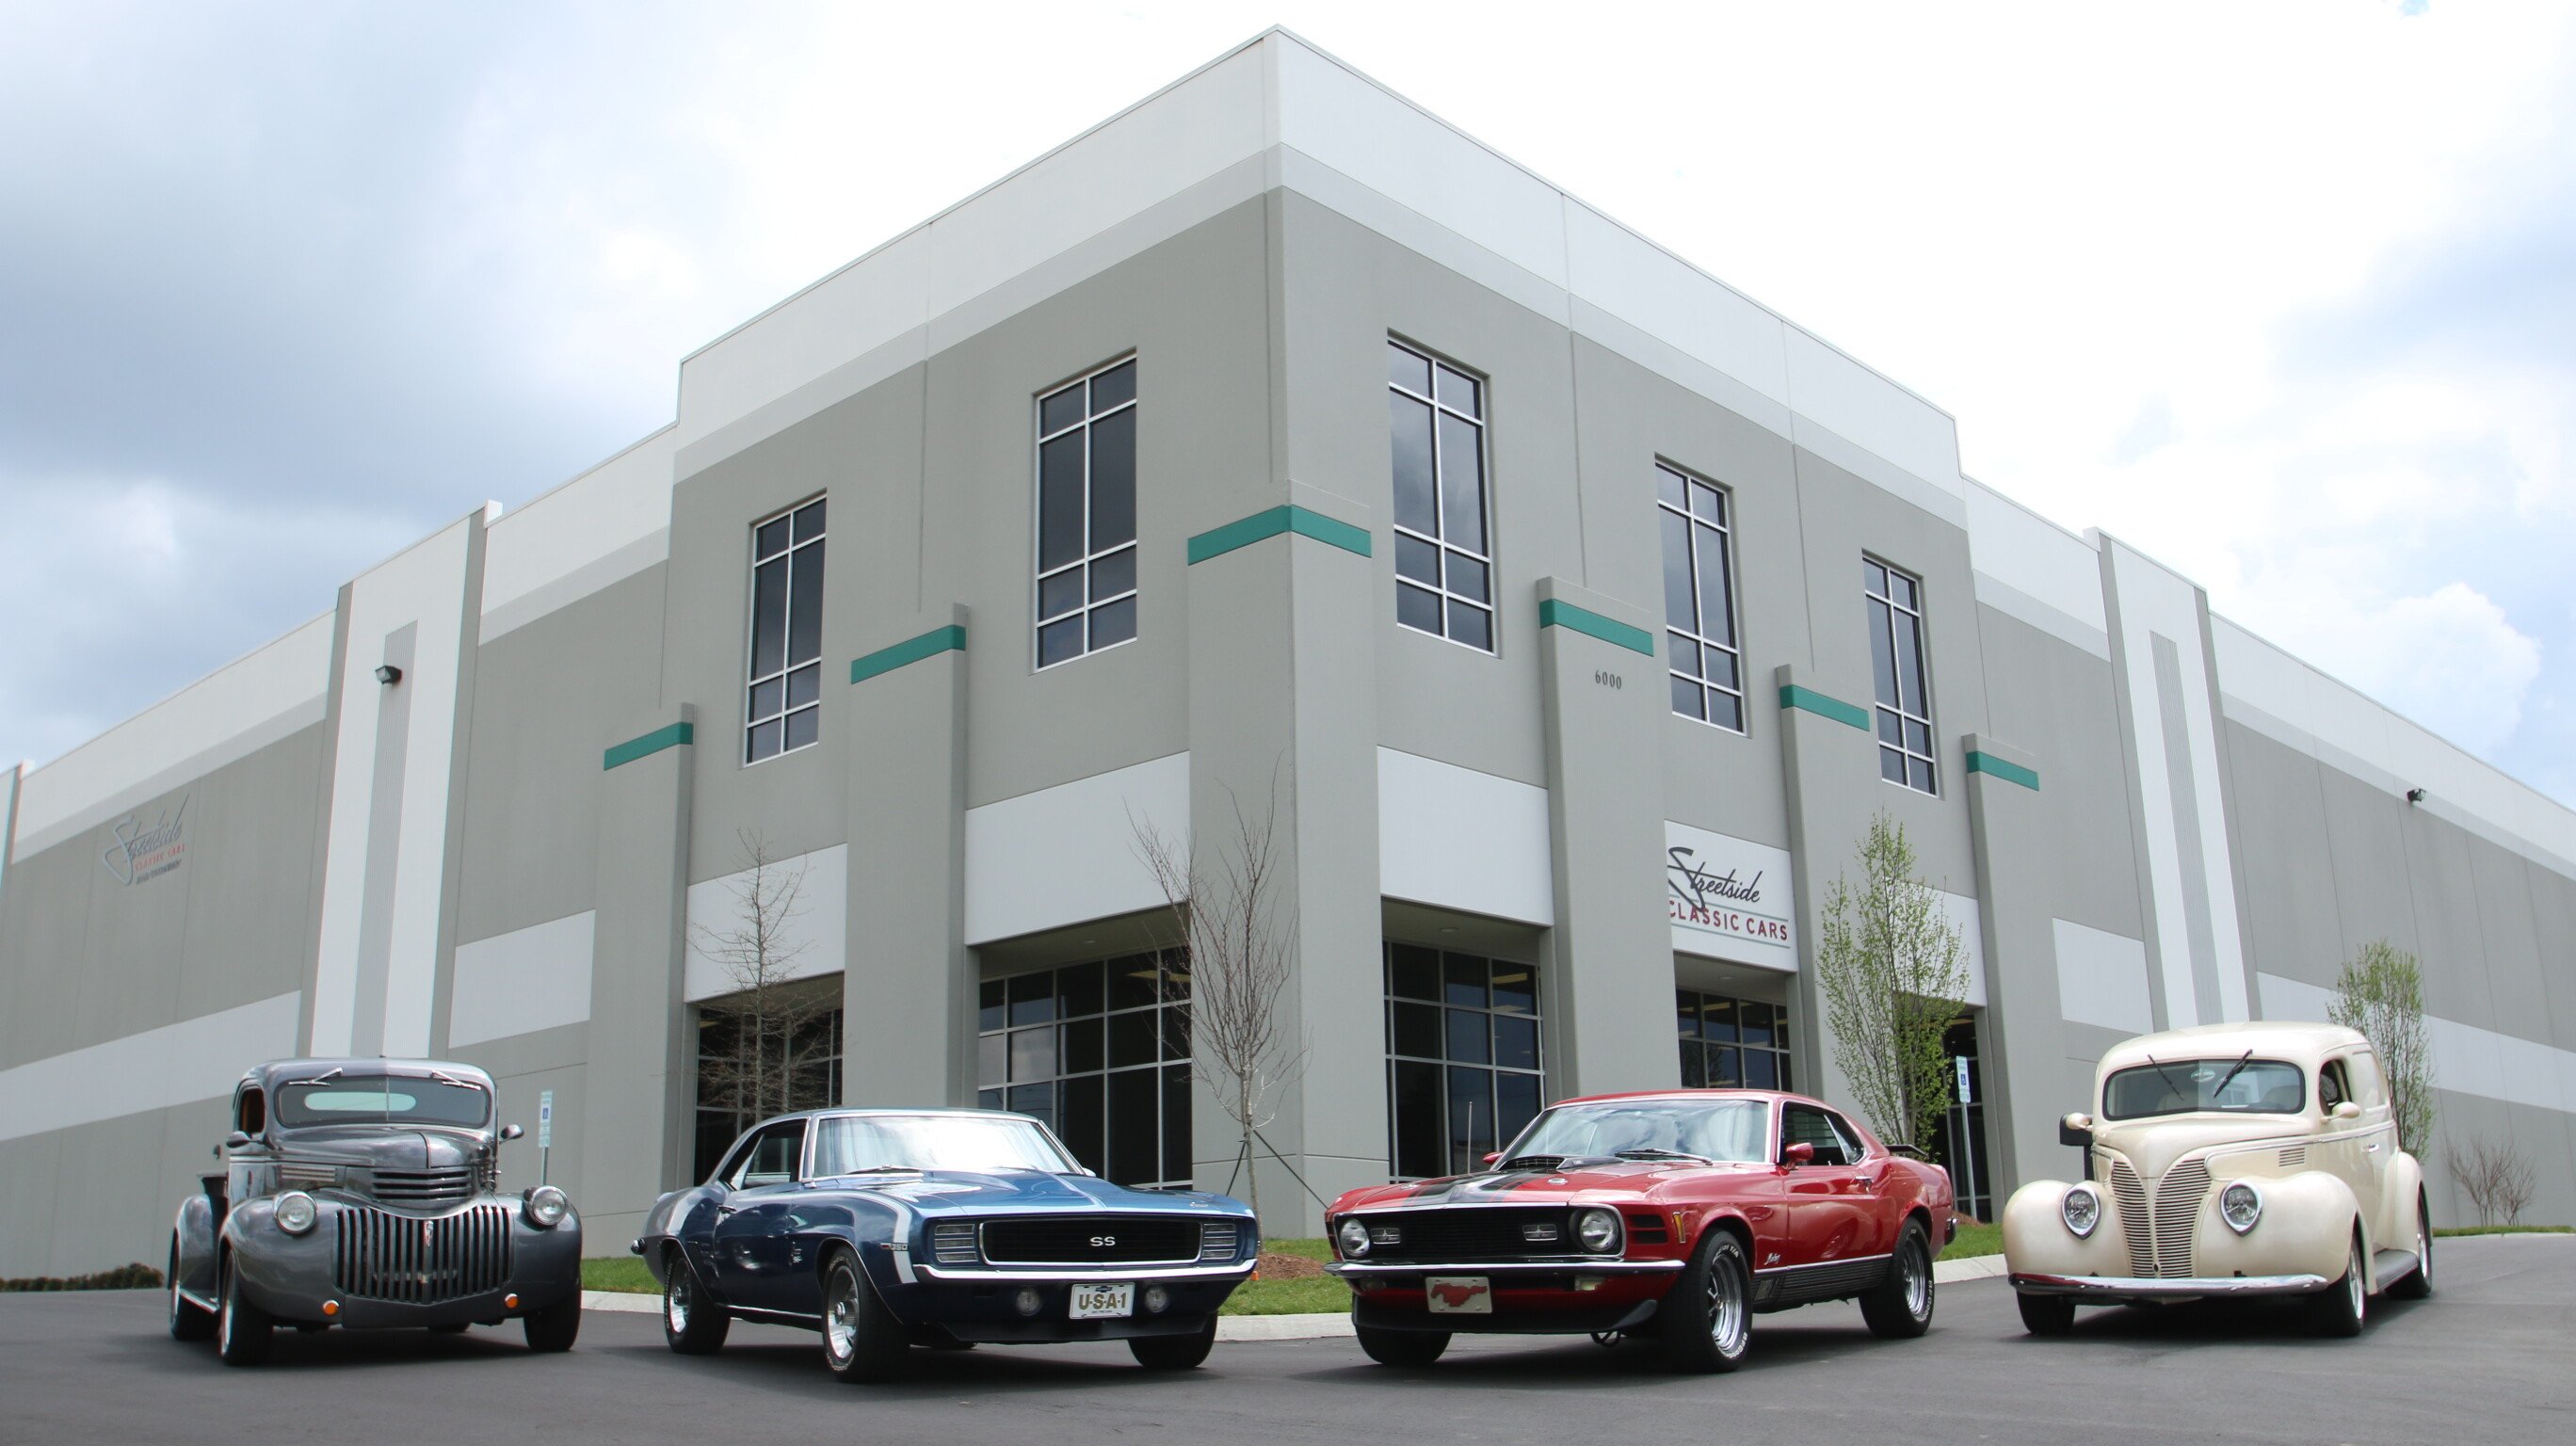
(2131,1197)
(424,1189)
(379,1255)
(2178,1198)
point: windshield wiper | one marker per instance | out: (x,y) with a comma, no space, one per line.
(447,1079)
(1654,1154)
(883,1170)
(2220,1088)
(324,1077)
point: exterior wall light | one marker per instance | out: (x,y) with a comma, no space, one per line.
(388,674)
(2415,795)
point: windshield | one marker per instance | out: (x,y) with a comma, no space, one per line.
(375,1099)
(1709,1129)
(860,1144)
(2183,1086)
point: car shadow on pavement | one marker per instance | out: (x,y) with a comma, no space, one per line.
(797,1366)
(2218,1322)
(1550,1362)
(344,1349)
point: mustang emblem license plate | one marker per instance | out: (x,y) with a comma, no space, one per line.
(1102,1302)
(1459,1294)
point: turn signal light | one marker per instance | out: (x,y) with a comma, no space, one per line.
(330,1307)
(510,1302)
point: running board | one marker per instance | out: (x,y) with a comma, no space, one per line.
(2392,1266)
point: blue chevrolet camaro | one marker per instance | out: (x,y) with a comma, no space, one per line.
(889,1229)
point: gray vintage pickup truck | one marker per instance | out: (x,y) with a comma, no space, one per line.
(365,1193)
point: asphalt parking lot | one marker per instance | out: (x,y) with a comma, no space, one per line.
(2487,1358)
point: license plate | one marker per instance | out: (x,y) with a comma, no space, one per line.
(1459,1294)
(1103,1302)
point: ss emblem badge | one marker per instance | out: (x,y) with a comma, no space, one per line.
(1104,1242)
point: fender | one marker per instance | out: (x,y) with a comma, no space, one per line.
(193,1237)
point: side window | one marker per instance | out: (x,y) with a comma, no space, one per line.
(1087,515)
(2331,1087)
(250,1112)
(2367,1087)
(1807,1125)
(1853,1150)
(772,1158)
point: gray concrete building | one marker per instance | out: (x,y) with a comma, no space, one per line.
(1271,446)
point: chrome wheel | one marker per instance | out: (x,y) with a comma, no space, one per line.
(841,1315)
(2356,1283)
(678,1299)
(1727,1315)
(1918,1284)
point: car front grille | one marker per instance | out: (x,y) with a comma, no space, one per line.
(2160,1238)
(379,1255)
(424,1189)
(1092,1240)
(1478,1233)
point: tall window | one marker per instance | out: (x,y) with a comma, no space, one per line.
(1087,515)
(1896,666)
(784,709)
(1101,1052)
(1463,1064)
(1734,1043)
(753,1065)
(1699,599)
(1442,556)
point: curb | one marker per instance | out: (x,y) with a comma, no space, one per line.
(621,1302)
(1971,1267)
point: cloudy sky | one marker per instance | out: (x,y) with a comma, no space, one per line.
(2284,294)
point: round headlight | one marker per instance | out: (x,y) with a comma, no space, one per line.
(547,1207)
(2081,1210)
(2240,1205)
(295,1212)
(1597,1230)
(1354,1239)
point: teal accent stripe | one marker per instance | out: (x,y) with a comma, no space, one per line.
(1262,526)
(1793,696)
(951,638)
(2008,772)
(1555,614)
(678,735)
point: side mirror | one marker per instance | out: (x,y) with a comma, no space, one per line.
(2346,1111)
(1798,1154)
(1494,1156)
(236,1140)
(2077,1130)
(511,1132)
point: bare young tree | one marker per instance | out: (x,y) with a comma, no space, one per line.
(1893,969)
(1238,937)
(2381,993)
(773,1025)
(2495,1176)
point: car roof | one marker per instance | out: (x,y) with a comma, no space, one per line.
(2294,1041)
(289,1071)
(1692,1094)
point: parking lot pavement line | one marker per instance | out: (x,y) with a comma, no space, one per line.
(1972,1267)
(625,1301)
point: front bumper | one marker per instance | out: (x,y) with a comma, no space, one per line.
(1529,1297)
(1394,1271)
(2118,1288)
(983,1304)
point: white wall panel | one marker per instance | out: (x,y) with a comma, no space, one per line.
(1459,839)
(523,981)
(2102,979)
(1666,297)
(618,512)
(1065,854)
(177,1064)
(812,937)
(2467,1059)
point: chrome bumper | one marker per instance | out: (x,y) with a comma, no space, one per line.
(1372,1270)
(2123,1287)
(1065,1274)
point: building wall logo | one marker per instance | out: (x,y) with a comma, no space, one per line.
(141,854)
(1700,898)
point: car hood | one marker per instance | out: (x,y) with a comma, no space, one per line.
(390,1147)
(2151,1146)
(973,1192)
(1572,1181)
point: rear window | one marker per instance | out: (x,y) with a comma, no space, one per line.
(382,1099)
(2190,1086)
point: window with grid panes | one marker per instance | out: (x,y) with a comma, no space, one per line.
(812,1081)
(1699,599)
(1101,1052)
(1464,1071)
(783,708)
(1734,1043)
(1897,670)
(1444,561)
(1087,515)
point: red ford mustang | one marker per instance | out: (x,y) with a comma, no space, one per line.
(1677,1216)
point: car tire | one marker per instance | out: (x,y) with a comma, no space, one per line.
(862,1341)
(242,1329)
(2419,1281)
(553,1328)
(189,1321)
(691,1324)
(2046,1315)
(1707,1317)
(2340,1308)
(1174,1353)
(1413,1349)
(1900,1307)
(454,1329)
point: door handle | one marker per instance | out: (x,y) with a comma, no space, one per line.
(2374,1150)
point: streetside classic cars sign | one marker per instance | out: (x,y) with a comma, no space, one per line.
(139,853)
(1728,897)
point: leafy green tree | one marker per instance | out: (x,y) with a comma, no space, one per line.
(1893,969)
(2381,993)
